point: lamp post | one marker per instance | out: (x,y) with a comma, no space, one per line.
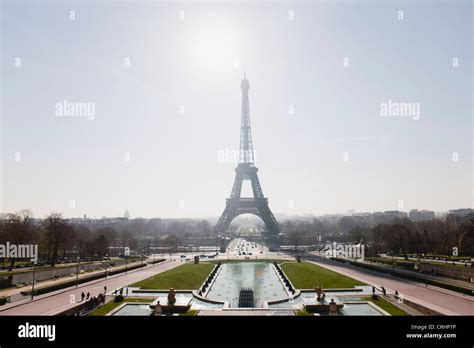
(426,278)
(77,270)
(34,279)
(393,266)
(106,259)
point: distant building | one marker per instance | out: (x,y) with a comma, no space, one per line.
(390,215)
(126,215)
(385,217)
(462,212)
(421,215)
(330,218)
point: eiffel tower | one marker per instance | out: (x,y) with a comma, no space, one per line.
(246,170)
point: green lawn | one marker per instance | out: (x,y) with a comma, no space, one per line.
(188,276)
(386,306)
(303,313)
(306,275)
(106,308)
(190,313)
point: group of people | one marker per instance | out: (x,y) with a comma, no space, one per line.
(384,292)
(88,296)
(94,301)
(121,291)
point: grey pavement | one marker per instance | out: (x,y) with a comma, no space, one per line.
(441,300)
(58,301)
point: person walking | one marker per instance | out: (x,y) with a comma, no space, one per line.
(82,296)
(105,289)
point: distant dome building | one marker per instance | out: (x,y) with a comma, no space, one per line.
(126,215)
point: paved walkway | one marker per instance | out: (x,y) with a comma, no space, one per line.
(45,283)
(58,301)
(441,300)
(438,278)
(408,309)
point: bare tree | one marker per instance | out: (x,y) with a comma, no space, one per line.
(56,230)
(17,229)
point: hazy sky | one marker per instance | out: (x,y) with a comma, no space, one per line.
(164,79)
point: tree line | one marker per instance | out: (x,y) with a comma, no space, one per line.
(59,238)
(401,236)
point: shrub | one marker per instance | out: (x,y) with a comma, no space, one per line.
(118,298)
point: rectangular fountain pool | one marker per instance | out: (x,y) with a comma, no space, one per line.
(134,309)
(260,276)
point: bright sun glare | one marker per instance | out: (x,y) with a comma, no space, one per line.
(215,46)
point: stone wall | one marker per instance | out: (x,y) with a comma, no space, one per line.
(462,273)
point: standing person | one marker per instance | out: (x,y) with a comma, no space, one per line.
(373,290)
(332,307)
(105,289)
(384,291)
(88,295)
(158,309)
(82,296)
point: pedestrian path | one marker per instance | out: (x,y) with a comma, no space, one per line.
(58,301)
(45,283)
(436,278)
(445,301)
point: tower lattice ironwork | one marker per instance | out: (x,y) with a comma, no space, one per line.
(246,170)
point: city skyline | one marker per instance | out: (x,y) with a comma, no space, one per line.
(160,131)
(351,212)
